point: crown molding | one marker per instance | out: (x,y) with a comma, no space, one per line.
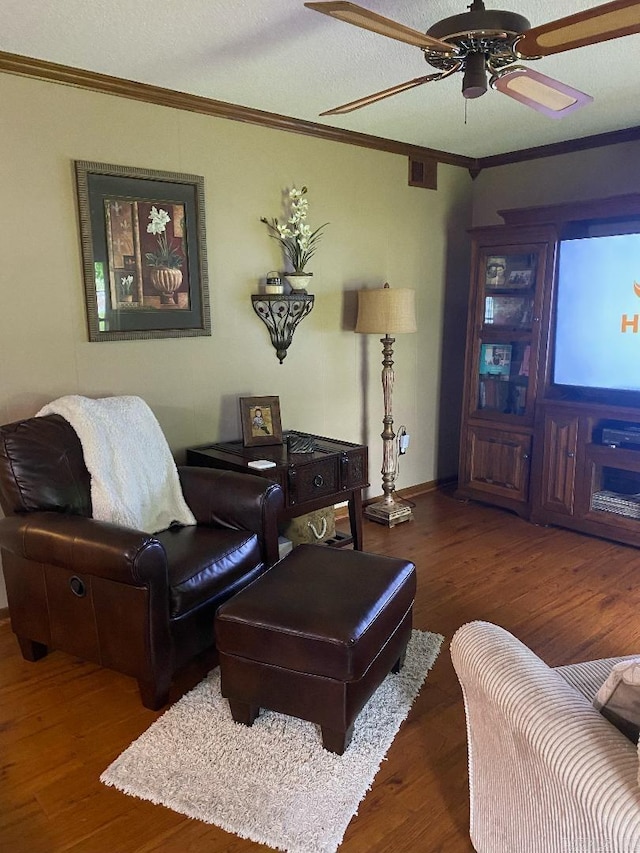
(619,207)
(25,66)
(52,72)
(599,140)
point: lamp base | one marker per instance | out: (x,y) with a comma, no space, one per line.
(389,513)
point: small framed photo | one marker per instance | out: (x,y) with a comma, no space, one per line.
(495,361)
(508,311)
(260,418)
(520,278)
(495,271)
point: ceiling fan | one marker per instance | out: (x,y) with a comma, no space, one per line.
(486,43)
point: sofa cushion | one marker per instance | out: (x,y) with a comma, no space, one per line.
(204,562)
(619,698)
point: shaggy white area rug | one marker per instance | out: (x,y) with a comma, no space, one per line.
(273,782)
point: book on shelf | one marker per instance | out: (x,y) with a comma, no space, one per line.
(494,394)
(520,401)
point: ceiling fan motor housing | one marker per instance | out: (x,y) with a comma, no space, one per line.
(479,23)
(490,33)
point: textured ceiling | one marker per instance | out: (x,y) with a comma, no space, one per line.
(278,56)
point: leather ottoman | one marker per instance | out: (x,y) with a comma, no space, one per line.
(315,636)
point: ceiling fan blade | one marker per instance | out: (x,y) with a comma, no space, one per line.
(610,21)
(541,93)
(352,14)
(378,96)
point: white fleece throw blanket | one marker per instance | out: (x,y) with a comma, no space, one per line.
(134,479)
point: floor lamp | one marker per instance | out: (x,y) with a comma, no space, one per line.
(387,312)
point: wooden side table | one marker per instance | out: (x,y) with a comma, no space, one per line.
(334,472)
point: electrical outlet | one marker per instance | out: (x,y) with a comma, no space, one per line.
(404,443)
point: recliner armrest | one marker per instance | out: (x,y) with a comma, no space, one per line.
(235,500)
(86,546)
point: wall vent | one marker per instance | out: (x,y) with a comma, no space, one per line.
(423,173)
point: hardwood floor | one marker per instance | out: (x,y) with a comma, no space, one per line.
(62,721)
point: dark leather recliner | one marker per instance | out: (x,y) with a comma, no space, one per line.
(141,604)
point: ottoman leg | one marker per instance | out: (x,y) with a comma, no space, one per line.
(243,712)
(335,741)
(400,662)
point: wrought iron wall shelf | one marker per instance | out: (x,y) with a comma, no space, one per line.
(281,314)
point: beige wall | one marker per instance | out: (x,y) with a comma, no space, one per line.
(599,172)
(380,230)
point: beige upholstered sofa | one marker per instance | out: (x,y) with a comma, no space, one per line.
(547,772)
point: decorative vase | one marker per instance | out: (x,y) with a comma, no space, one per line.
(298,281)
(166,281)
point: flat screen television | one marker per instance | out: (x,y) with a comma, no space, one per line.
(596,341)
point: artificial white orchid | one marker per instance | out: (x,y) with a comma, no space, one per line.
(298,241)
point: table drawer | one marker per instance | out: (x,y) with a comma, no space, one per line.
(312,481)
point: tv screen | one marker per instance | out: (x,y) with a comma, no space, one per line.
(597,328)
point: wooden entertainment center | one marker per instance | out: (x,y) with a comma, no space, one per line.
(527,444)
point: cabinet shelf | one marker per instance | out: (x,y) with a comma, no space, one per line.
(616,457)
(510,291)
(504,334)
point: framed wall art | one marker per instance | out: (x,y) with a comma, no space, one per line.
(260,418)
(144,252)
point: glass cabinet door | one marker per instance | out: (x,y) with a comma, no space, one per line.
(503,376)
(509,289)
(507,310)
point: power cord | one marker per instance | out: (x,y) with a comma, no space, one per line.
(402,443)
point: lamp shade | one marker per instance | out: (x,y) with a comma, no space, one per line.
(386,311)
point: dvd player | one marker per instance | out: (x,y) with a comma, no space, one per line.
(616,436)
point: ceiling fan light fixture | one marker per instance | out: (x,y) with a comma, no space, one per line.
(474,82)
(543,94)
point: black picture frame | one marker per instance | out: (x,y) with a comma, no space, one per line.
(144,252)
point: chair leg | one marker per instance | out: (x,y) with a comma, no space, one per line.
(154,694)
(334,741)
(30,649)
(243,712)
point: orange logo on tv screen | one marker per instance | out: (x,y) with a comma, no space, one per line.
(631,323)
